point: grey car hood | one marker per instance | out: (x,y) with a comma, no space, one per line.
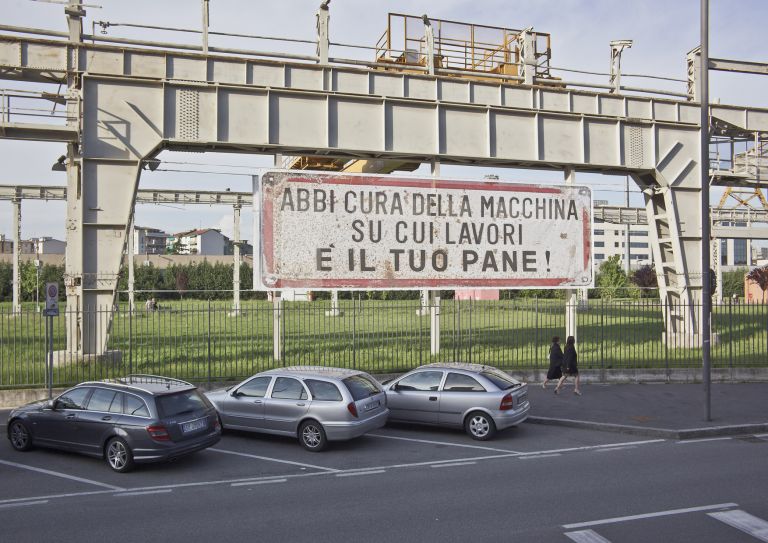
(32,406)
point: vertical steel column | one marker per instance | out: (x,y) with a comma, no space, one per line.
(434,339)
(627,252)
(429,39)
(131,275)
(706,300)
(16,255)
(236,253)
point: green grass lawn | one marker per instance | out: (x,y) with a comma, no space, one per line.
(198,340)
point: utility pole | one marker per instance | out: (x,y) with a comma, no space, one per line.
(16,309)
(236,270)
(706,298)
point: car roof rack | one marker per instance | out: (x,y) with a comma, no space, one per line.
(146,379)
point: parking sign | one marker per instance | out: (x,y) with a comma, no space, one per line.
(51,299)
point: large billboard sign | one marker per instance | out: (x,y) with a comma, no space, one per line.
(342,231)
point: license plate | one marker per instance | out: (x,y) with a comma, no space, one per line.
(193,425)
(372,405)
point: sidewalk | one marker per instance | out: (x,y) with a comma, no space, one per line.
(671,411)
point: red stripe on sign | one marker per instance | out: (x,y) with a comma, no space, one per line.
(421,283)
(267,224)
(420,183)
(587,234)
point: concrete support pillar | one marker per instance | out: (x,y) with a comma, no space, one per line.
(236,253)
(718,270)
(334,311)
(434,325)
(323,32)
(16,308)
(130,252)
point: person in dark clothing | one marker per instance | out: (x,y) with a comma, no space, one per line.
(570,367)
(555,371)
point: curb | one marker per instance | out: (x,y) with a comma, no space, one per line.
(690,433)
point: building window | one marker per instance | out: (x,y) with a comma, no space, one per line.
(599,244)
(740,252)
(615,243)
(615,232)
(599,256)
(638,245)
(599,232)
(640,233)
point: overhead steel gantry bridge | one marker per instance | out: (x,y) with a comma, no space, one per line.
(128,100)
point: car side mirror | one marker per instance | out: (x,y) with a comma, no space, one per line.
(396,387)
(50,404)
(236,394)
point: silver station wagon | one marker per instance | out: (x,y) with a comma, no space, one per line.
(481,399)
(314,403)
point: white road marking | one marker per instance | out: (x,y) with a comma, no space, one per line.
(592,447)
(650,515)
(22,504)
(430,442)
(586,536)
(56,496)
(703,440)
(356,473)
(533,457)
(619,448)
(62,475)
(761,435)
(741,520)
(452,464)
(246,455)
(265,482)
(143,492)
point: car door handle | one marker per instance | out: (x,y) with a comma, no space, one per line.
(106,418)
(433,398)
(301,404)
(257,401)
(71,416)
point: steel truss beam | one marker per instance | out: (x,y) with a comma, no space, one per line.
(133,102)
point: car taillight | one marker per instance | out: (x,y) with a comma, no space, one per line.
(352,408)
(506,402)
(158,432)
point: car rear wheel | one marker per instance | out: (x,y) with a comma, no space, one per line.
(21,439)
(312,436)
(119,456)
(480,426)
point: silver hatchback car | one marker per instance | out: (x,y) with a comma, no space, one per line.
(317,404)
(481,399)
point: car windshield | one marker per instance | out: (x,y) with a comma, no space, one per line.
(361,387)
(180,403)
(501,380)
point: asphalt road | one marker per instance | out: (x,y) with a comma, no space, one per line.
(532,483)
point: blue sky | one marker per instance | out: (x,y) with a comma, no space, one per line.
(663,31)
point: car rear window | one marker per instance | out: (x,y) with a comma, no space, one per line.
(501,380)
(361,387)
(181,403)
(323,390)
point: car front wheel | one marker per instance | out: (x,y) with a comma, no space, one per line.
(479,426)
(21,439)
(119,456)
(312,436)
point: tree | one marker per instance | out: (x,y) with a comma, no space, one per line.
(645,279)
(733,283)
(612,281)
(760,276)
(182,282)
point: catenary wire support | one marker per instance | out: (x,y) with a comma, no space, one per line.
(323,38)
(617,46)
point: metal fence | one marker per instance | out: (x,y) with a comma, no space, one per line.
(206,342)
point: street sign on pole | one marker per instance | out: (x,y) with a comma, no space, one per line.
(51,299)
(328,231)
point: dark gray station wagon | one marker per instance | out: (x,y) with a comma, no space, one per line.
(136,419)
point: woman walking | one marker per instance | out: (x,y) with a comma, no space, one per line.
(570,367)
(555,371)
